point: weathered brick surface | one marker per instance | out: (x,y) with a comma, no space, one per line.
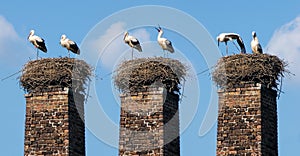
(247,121)
(53,125)
(149,123)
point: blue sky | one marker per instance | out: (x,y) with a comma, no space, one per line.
(92,24)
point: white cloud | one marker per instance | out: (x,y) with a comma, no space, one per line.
(7,31)
(285,43)
(111,46)
(13,49)
(142,35)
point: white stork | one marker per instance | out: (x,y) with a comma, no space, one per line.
(69,44)
(163,42)
(38,42)
(225,37)
(255,45)
(132,42)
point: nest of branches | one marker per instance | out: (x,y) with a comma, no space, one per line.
(236,70)
(138,74)
(44,74)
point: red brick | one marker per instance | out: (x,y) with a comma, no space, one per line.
(58,123)
(143,123)
(247,121)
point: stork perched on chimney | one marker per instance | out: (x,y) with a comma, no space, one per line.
(255,45)
(225,37)
(163,42)
(132,42)
(69,44)
(38,42)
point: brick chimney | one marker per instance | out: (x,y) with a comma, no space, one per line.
(247,115)
(149,123)
(54,123)
(149,119)
(247,121)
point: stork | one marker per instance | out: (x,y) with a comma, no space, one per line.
(38,42)
(225,37)
(132,42)
(255,45)
(163,42)
(69,44)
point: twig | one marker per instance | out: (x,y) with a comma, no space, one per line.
(12,75)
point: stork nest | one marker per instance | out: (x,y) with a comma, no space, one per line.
(236,70)
(138,74)
(44,74)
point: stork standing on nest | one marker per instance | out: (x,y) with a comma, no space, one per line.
(255,45)
(225,37)
(163,42)
(132,42)
(69,44)
(38,42)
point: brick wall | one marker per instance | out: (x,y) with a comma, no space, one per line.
(247,121)
(149,123)
(53,124)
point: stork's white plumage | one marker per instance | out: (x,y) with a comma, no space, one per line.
(225,37)
(69,44)
(132,42)
(37,41)
(163,42)
(255,45)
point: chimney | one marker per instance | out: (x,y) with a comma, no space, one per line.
(54,123)
(247,116)
(149,120)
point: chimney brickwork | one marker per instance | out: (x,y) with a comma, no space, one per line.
(247,121)
(54,123)
(149,123)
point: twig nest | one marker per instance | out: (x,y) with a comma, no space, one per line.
(44,74)
(236,70)
(138,74)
